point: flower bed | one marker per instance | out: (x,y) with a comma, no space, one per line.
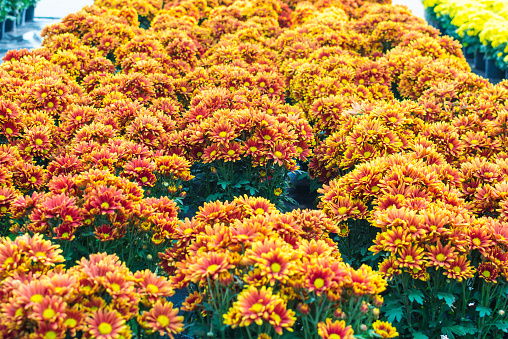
(137,114)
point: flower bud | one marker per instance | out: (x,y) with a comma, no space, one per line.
(149,257)
(363,327)
(303,308)
(501,312)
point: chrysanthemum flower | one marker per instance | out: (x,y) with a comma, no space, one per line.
(335,330)
(105,324)
(460,269)
(439,255)
(162,318)
(51,309)
(151,287)
(385,329)
(258,306)
(488,271)
(208,265)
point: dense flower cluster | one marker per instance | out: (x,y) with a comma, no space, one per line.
(97,298)
(135,110)
(253,265)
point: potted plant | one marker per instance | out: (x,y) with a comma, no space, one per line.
(30,10)
(6,17)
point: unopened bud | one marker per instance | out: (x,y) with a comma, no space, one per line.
(501,312)
(149,257)
(363,327)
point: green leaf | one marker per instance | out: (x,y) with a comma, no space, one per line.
(415,295)
(503,326)
(224,183)
(458,330)
(241,183)
(214,196)
(394,314)
(419,335)
(484,311)
(447,297)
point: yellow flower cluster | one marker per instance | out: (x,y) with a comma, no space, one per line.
(486,19)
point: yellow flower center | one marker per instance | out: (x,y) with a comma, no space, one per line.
(212,268)
(105,328)
(486,274)
(409,258)
(105,205)
(342,210)
(40,254)
(44,94)
(38,142)
(253,148)
(19,312)
(231,152)
(440,257)
(144,179)
(48,313)
(276,267)
(334,336)
(259,211)
(456,269)
(231,88)
(375,189)
(299,149)
(269,111)
(267,137)
(51,104)
(367,154)
(477,242)
(115,287)
(163,320)
(50,335)
(152,288)
(223,134)
(36,298)
(474,142)
(60,92)
(183,89)
(270,90)
(257,307)
(212,153)
(262,84)
(33,179)
(9,130)
(319,282)
(187,231)
(278,154)
(246,84)
(3,209)
(386,140)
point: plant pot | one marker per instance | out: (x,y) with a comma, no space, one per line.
(21,18)
(30,13)
(2,29)
(492,71)
(479,61)
(10,25)
(466,54)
